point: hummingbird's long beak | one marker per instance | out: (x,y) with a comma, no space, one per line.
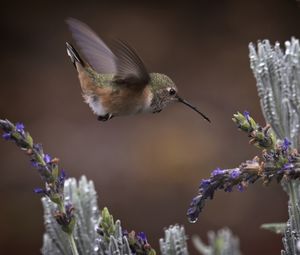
(192,107)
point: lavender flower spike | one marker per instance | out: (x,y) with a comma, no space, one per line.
(49,171)
(277,162)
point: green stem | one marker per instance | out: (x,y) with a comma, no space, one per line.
(72,244)
(70,236)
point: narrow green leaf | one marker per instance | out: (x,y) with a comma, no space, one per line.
(277,228)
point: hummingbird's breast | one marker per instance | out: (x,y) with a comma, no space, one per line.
(104,96)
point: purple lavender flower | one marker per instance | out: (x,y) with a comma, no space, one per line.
(38,147)
(247,115)
(278,161)
(138,243)
(61,179)
(287,167)
(240,187)
(20,127)
(195,208)
(34,163)
(228,189)
(204,183)
(39,191)
(285,144)
(47,158)
(125,232)
(217,171)
(6,136)
(66,219)
(235,173)
(142,237)
(52,177)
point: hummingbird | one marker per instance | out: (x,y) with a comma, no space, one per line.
(115,82)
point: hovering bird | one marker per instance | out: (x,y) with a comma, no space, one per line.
(116,82)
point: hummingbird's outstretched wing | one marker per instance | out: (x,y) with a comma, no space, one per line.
(130,68)
(124,63)
(95,51)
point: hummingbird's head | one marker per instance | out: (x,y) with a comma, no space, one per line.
(163,89)
(164,92)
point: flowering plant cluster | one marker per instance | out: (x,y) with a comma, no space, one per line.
(48,169)
(138,243)
(64,212)
(278,161)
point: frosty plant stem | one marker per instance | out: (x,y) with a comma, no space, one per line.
(72,244)
(52,176)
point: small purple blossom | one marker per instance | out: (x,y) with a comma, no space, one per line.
(6,136)
(217,171)
(204,183)
(285,144)
(240,187)
(38,147)
(142,237)
(20,127)
(66,219)
(47,158)
(62,177)
(69,209)
(196,200)
(34,163)
(235,173)
(228,189)
(287,166)
(39,191)
(247,115)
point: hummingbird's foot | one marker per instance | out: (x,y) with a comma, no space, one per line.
(157,111)
(105,117)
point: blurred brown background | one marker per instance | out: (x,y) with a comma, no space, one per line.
(146,168)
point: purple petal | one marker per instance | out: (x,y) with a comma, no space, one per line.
(142,236)
(20,127)
(39,191)
(47,158)
(235,173)
(6,136)
(34,163)
(62,177)
(38,147)
(247,115)
(216,172)
(240,188)
(204,183)
(228,189)
(286,144)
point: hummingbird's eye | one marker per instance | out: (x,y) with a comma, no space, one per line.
(172,92)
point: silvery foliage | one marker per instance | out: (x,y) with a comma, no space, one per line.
(174,242)
(84,198)
(277,73)
(278,83)
(220,243)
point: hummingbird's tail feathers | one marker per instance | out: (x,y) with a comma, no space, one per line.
(74,56)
